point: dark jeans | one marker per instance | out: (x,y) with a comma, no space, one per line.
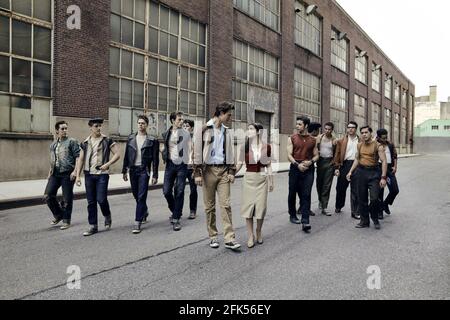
(193,196)
(139,180)
(394,190)
(300,183)
(97,192)
(175,176)
(342,186)
(325,174)
(55,182)
(368,189)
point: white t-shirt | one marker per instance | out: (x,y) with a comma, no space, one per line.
(352,149)
(140,143)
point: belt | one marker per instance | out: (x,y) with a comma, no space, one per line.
(369,168)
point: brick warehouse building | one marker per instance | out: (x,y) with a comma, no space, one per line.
(275,58)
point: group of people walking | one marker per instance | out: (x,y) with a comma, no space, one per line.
(364,163)
(367,165)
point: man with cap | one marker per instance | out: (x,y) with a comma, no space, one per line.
(95,161)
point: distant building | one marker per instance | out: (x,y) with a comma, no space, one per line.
(433,128)
(429,108)
(432,136)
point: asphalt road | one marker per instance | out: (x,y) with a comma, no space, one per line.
(412,251)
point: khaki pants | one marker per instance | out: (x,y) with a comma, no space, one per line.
(215,179)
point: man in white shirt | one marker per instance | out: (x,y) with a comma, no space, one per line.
(346,149)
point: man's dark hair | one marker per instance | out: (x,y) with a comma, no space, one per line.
(354,123)
(366,127)
(175,115)
(60,123)
(382,132)
(329,124)
(189,122)
(306,121)
(143,117)
(223,107)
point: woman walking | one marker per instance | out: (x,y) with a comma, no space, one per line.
(258,180)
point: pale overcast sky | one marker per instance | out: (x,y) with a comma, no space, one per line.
(415,34)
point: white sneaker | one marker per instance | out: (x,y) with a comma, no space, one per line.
(214,244)
(233,245)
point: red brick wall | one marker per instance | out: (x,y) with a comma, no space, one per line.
(81,60)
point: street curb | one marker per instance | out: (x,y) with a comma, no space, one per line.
(38,200)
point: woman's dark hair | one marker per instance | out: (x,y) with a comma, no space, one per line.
(189,122)
(223,107)
(382,132)
(259,127)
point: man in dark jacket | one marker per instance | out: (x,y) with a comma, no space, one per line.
(176,151)
(141,156)
(392,183)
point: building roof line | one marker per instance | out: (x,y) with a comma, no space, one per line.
(370,40)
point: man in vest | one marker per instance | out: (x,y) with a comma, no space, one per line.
(392,160)
(302,154)
(370,178)
(326,145)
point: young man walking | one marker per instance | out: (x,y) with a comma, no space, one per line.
(95,161)
(346,149)
(188,126)
(141,157)
(302,154)
(215,170)
(392,162)
(64,154)
(176,150)
(326,145)
(370,178)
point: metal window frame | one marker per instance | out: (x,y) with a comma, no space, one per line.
(306,41)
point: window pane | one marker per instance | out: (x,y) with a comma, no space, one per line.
(20,114)
(115,6)
(173,47)
(138,66)
(193,80)
(42,9)
(153,40)
(4,34)
(22,6)
(4,73)
(173,75)
(153,69)
(154,14)
(185,27)
(4,4)
(194,31)
(42,79)
(164,44)
(139,36)
(184,98)
(201,81)
(138,101)
(41,115)
(139,11)
(185,50)
(192,103)
(201,105)
(42,43)
(113,91)
(124,122)
(201,56)
(184,77)
(127,7)
(202,34)
(127,31)
(174,22)
(21,76)
(193,53)
(152,97)
(115,28)
(127,63)
(172,100)
(125,99)
(162,105)
(164,20)
(21,38)
(163,72)
(114,60)
(5,111)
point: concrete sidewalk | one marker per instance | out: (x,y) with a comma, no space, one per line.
(19,194)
